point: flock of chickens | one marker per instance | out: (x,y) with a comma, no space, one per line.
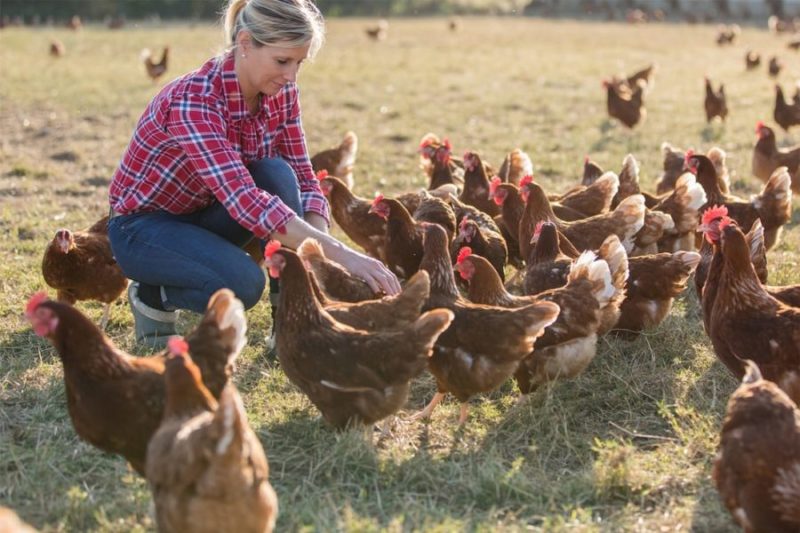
(603,257)
(625,96)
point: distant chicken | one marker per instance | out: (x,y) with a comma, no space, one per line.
(81,266)
(727,34)
(673,167)
(767,157)
(428,146)
(757,467)
(155,70)
(484,242)
(442,171)
(716,105)
(646,75)
(746,322)
(351,375)
(592,199)
(588,234)
(516,165)
(333,279)
(775,66)
(338,161)
(591,172)
(476,185)
(670,219)
(752,60)
(785,114)
(75,23)
(569,344)
(794,44)
(403,238)
(466,361)
(627,106)
(206,468)
(654,282)
(773,206)
(547,266)
(379,31)
(115,400)
(57,48)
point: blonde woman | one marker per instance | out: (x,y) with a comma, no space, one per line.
(219,158)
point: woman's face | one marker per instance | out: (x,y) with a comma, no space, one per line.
(266,69)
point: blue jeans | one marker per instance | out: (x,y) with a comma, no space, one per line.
(194,255)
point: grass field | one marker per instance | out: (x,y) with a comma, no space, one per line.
(626,446)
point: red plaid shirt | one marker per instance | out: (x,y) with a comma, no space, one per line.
(193,141)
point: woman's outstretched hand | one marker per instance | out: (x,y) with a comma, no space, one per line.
(376,274)
(373,272)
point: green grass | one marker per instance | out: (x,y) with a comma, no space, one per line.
(627,445)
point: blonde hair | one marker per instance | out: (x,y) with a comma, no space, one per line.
(285,23)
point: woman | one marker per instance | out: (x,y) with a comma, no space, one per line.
(219,158)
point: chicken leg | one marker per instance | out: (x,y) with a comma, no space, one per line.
(426,413)
(106,315)
(464,414)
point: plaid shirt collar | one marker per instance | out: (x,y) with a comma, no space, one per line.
(232,90)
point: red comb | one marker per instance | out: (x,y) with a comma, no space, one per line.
(322,174)
(378,198)
(177,345)
(35,301)
(538,229)
(427,141)
(465,252)
(272,247)
(526,180)
(586,159)
(688,156)
(724,223)
(759,125)
(464,222)
(446,144)
(713,213)
(496,181)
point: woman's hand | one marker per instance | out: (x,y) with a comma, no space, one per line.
(373,272)
(376,274)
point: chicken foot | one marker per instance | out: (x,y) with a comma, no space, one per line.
(426,413)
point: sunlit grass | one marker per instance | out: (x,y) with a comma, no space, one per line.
(627,445)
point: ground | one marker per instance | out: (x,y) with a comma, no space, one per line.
(627,445)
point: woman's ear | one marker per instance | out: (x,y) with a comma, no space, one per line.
(244,41)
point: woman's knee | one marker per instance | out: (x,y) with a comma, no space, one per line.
(277,177)
(247,282)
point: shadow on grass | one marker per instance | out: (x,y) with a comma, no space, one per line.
(713,132)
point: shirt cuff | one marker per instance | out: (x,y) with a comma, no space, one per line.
(315,202)
(276,216)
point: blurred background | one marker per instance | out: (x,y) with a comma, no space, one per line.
(48,12)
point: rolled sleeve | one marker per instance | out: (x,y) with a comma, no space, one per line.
(199,128)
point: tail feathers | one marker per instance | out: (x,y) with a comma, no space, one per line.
(608,186)
(718,157)
(774,204)
(430,325)
(538,316)
(349,149)
(416,289)
(630,214)
(755,238)
(630,171)
(595,270)
(516,165)
(310,249)
(229,313)
(613,252)
(689,198)
(230,422)
(690,260)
